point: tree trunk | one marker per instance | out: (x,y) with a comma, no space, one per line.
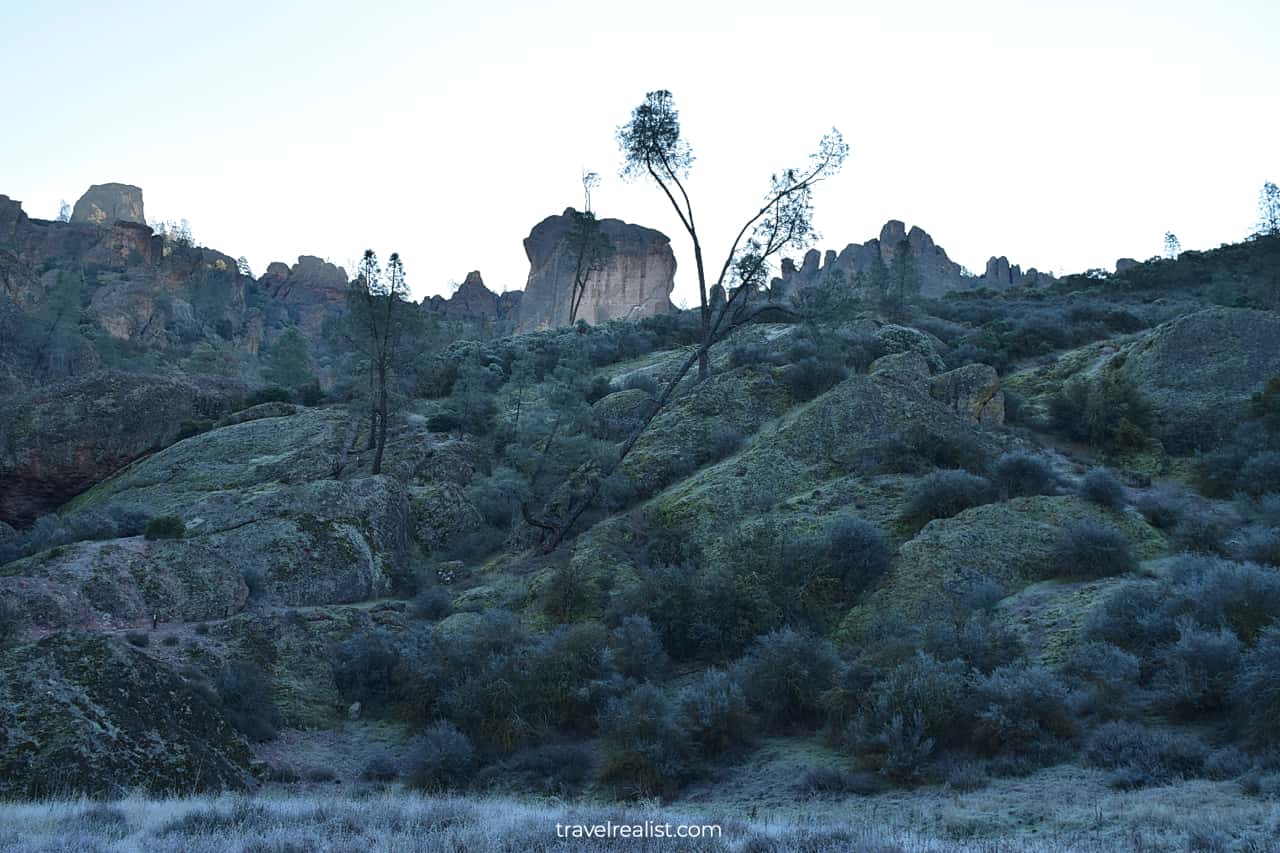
(382,419)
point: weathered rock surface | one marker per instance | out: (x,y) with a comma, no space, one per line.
(58,440)
(310,291)
(615,416)
(105,204)
(894,339)
(1200,370)
(476,305)
(973,391)
(636,280)
(93,715)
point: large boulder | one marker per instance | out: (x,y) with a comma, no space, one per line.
(105,204)
(91,714)
(1199,371)
(60,439)
(636,280)
(973,391)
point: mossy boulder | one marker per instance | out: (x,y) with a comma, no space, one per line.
(1010,543)
(616,415)
(90,714)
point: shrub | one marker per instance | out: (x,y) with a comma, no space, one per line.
(637,648)
(1109,413)
(255,580)
(1021,706)
(165,527)
(809,377)
(855,551)
(1257,689)
(920,703)
(1091,549)
(441,758)
(980,642)
(1102,488)
(1162,508)
(246,701)
(270,394)
(785,673)
(944,494)
(1197,672)
(917,449)
(966,776)
(1261,473)
(1200,535)
(1109,669)
(1216,592)
(748,354)
(140,639)
(1262,545)
(641,382)
(1227,762)
(434,602)
(1160,755)
(723,440)
(1023,474)
(715,713)
(369,669)
(555,769)
(644,743)
(380,768)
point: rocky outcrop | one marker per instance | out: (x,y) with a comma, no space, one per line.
(1199,371)
(972,391)
(90,714)
(474,304)
(895,339)
(60,439)
(1123,264)
(937,273)
(636,280)
(1000,275)
(105,204)
(310,291)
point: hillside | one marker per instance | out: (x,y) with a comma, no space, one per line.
(990,544)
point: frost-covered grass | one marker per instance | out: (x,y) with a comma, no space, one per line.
(1007,816)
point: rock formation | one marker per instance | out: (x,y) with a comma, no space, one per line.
(972,391)
(105,204)
(311,290)
(1123,264)
(475,304)
(938,273)
(636,281)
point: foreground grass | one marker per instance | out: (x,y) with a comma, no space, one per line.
(1191,816)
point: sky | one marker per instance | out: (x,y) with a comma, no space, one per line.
(1062,135)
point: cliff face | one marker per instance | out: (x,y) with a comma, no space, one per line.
(474,304)
(104,204)
(636,280)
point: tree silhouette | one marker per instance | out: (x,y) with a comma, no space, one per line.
(379,316)
(1269,209)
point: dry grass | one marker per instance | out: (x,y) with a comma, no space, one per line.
(1062,809)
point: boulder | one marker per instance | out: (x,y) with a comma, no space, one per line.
(105,204)
(616,415)
(636,280)
(1123,264)
(972,391)
(91,714)
(1200,370)
(909,366)
(892,339)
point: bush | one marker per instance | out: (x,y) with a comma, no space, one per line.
(1163,508)
(641,382)
(723,440)
(1102,488)
(855,552)
(369,669)
(1262,545)
(1091,549)
(944,494)
(1021,708)
(809,377)
(1109,413)
(441,758)
(433,603)
(1200,535)
(1160,756)
(1227,762)
(11,621)
(246,701)
(1023,474)
(1216,592)
(165,527)
(785,673)
(380,768)
(715,713)
(270,394)
(1196,673)
(1110,670)
(966,776)
(141,639)
(1257,689)
(644,744)
(637,648)
(1261,473)
(554,769)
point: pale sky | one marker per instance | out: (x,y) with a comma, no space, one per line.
(1063,135)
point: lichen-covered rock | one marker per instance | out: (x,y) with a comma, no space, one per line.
(616,415)
(90,714)
(1199,371)
(63,437)
(441,512)
(907,366)
(973,391)
(636,280)
(894,339)
(1010,543)
(104,204)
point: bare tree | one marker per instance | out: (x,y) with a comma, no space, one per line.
(1269,209)
(654,149)
(1172,246)
(379,314)
(64,211)
(652,146)
(588,244)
